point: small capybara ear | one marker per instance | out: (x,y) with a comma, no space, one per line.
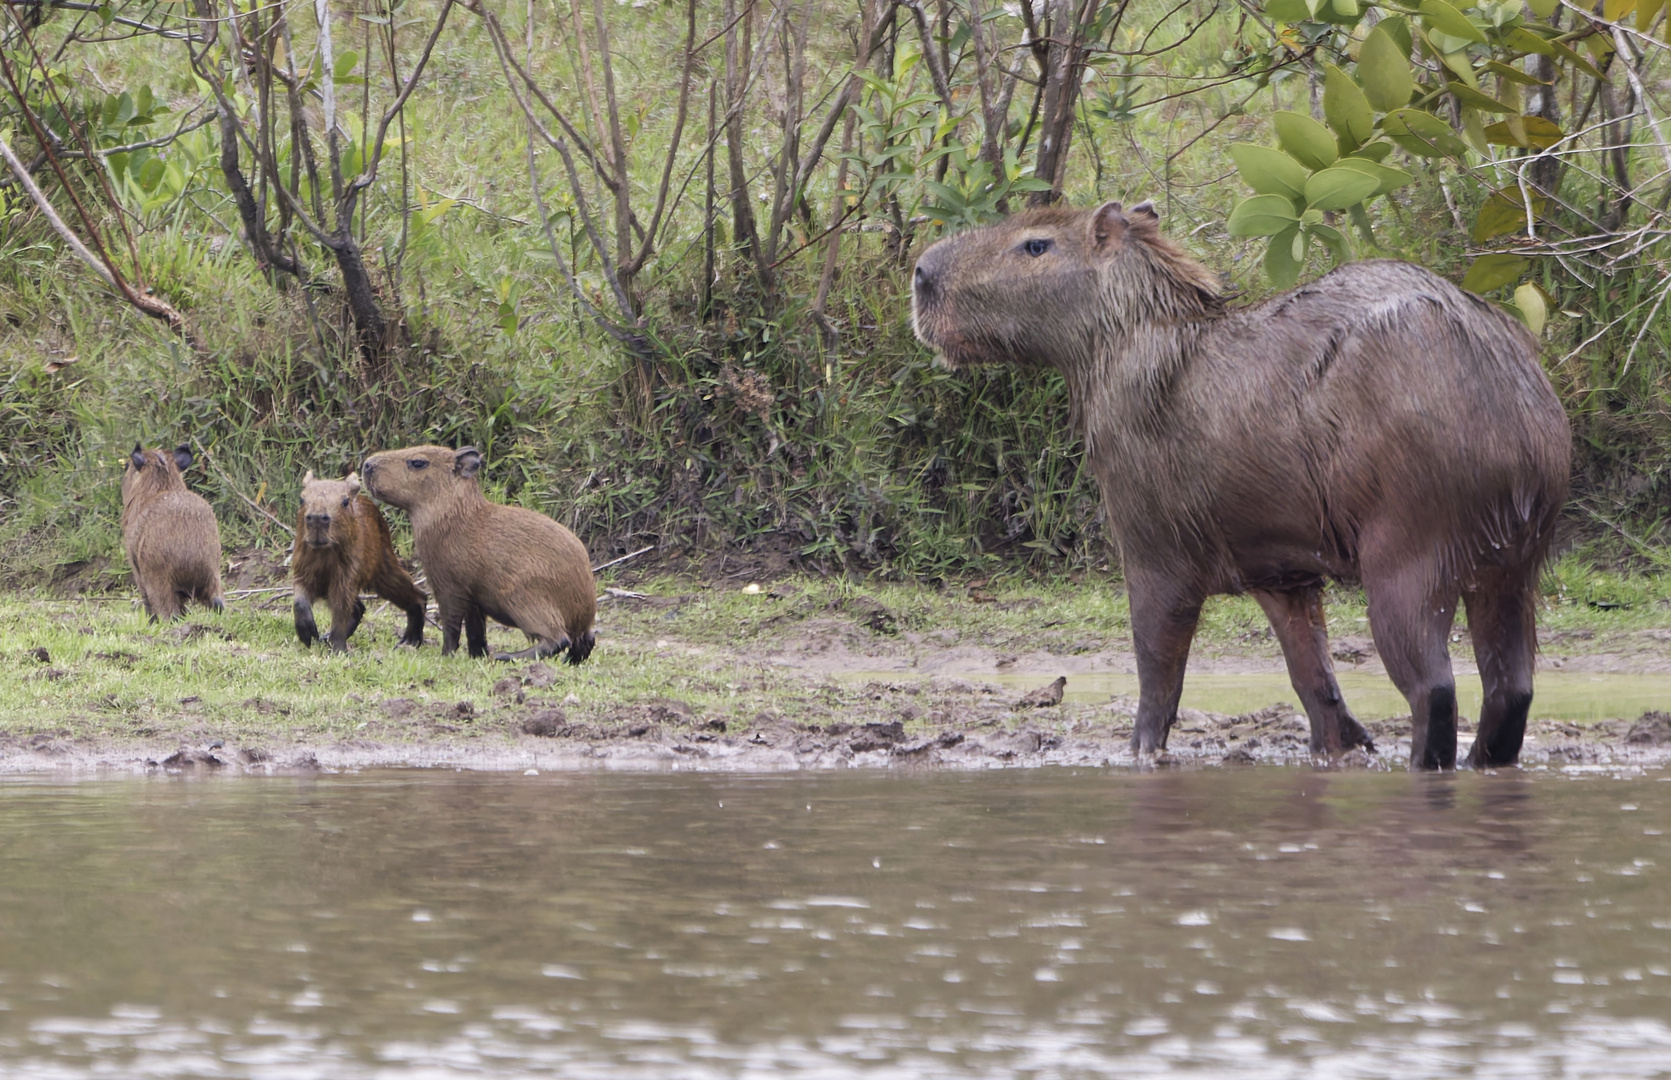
(307,478)
(182,457)
(138,456)
(1146,208)
(353,482)
(467,461)
(1108,228)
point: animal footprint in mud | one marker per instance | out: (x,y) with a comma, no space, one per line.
(1045,696)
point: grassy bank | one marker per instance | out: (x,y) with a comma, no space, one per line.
(682,657)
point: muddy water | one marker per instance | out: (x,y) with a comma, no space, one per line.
(1252,923)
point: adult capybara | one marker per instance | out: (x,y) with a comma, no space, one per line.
(343,549)
(486,560)
(169,534)
(1377,425)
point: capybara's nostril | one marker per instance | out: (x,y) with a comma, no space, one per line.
(924,282)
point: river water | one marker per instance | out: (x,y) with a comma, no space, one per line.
(1262,922)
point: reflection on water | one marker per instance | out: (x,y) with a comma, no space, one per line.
(1257,923)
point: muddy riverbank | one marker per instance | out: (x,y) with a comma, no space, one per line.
(799,674)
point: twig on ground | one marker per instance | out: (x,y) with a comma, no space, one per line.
(622,559)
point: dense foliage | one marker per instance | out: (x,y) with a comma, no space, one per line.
(652,258)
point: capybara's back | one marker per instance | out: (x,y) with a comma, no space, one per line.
(170,534)
(484,560)
(1378,424)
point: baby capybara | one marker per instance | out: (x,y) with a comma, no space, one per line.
(343,549)
(484,559)
(169,534)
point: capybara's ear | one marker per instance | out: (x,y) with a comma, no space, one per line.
(138,456)
(467,461)
(1146,208)
(182,457)
(353,482)
(1108,228)
(307,478)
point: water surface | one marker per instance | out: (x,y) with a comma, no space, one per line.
(1261,922)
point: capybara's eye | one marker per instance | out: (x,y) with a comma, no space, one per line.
(417,463)
(345,504)
(1036,246)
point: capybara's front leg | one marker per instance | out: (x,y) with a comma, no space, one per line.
(414,635)
(346,612)
(475,632)
(1297,617)
(307,631)
(1163,618)
(452,620)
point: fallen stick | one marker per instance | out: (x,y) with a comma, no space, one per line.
(622,559)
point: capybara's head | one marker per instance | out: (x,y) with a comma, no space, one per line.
(421,475)
(1044,286)
(150,471)
(326,505)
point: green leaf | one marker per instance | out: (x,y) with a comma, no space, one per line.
(1469,96)
(1261,215)
(1334,240)
(1347,109)
(1528,42)
(1422,133)
(1385,71)
(1535,132)
(1566,53)
(1491,272)
(1446,19)
(1504,212)
(1305,140)
(1375,151)
(345,65)
(1281,264)
(1543,8)
(351,164)
(150,174)
(1533,309)
(1269,171)
(1512,74)
(1338,187)
(1386,177)
(1398,27)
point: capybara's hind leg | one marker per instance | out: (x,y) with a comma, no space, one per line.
(396,586)
(1504,628)
(307,631)
(414,635)
(1410,624)
(1297,617)
(1163,619)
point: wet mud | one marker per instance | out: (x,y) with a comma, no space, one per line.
(907,723)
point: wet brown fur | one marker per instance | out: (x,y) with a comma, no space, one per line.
(170,534)
(343,549)
(484,560)
(1377,425)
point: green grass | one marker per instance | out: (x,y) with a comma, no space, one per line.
(242,677)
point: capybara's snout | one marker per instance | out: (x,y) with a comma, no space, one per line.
(318,529)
